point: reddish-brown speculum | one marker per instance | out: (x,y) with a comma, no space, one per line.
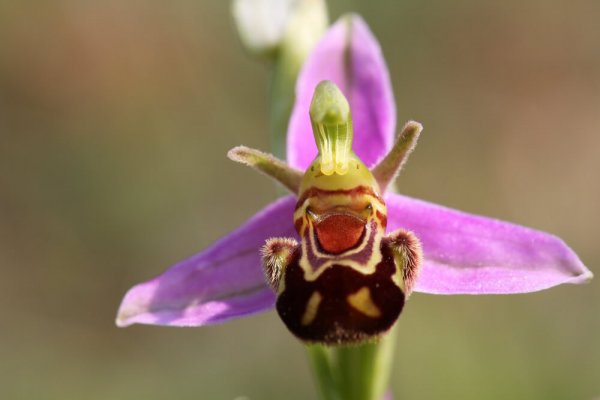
(337,233)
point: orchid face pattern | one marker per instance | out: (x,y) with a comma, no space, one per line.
(346,281)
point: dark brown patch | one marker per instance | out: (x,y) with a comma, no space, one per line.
(337,233)
(336,321)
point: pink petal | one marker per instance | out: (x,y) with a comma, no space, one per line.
(469,254)
(223,282)
(349,55)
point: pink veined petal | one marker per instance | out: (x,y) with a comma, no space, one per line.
(349,55)
(470,254)
(223,282)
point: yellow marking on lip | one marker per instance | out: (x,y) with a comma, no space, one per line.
(361,301)
(312,306)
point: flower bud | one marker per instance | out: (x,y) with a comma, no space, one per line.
(264,26)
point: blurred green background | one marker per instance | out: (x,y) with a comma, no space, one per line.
(115,118)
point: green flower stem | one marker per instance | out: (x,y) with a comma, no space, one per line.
(353,372)
(364,370)
(320,359)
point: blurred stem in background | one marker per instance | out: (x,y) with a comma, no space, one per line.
(304,28)
(284,32)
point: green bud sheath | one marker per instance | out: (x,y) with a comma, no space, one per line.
(332,128)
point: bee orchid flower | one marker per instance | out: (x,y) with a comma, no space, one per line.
(313,245)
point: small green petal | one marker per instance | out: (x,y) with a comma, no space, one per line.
(389,167)
(269,165)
